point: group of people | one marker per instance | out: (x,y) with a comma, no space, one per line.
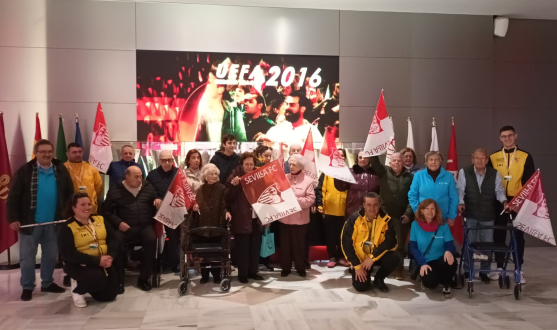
(366,223)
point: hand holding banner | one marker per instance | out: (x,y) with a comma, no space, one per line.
(269,192)
(381,131)
(330,159)
(176,203)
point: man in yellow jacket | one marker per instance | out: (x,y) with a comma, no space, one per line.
(368,240)
(85,177)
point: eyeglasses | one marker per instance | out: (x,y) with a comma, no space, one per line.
(167,160)
(49,152)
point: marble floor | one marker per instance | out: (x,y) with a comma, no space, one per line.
(322,301)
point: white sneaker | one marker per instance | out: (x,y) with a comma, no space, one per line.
(494,275)
(78,299)
(522,279)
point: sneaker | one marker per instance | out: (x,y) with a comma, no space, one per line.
(447,293)
(27,295)
(78,299)
(399,274)
(494,276)
(379,283)
(484,278)
(332,263)
(54,288)
(522,279)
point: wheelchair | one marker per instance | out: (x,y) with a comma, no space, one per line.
(204,255)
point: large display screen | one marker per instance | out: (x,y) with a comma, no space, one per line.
(197,96)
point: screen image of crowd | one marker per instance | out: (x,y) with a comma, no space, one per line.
(187,96)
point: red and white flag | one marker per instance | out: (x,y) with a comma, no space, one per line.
(268,191)
(452,162)
(391,148)
(280,156)
(38,134)
(381,131)
(308,152)
(8,237)
(100,154)
(176,203)
(330,159)
(531,208)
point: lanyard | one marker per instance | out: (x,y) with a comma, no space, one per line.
(372,230)
(510,162)
(80,174)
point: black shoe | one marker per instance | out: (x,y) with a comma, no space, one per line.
(27,295)
(447,293)
(307,264)
(54,288)
(217,280)
(67,281)
(242,279)
(485,279)
(256,277)
(284,273)
(466,276)
(143,285)
(121,289)
(379,283)
(204,280)
(302,273)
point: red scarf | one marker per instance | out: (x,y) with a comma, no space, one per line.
(429,227)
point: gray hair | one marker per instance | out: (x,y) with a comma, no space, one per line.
(480,150)
(396,154)
(126,146)
(433,153)
(206,169)
(300,160)
(165,153)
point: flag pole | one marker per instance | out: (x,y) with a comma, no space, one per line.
(433,123)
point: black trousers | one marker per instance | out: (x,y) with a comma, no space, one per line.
(293,246)
(247,249)
(205,271)
(387,264)
(500,236)
(332,226)
(148,239)
(441,273)
(101,285)
(171,253)
(402,230)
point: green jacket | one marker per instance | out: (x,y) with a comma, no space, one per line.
(394,189)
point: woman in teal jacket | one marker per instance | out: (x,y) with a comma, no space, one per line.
(436,183)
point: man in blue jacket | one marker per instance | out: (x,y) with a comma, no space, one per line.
(117,170)
(436,183)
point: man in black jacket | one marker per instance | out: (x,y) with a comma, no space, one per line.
(226,159)
(161,178)
(39,192)
(130,206)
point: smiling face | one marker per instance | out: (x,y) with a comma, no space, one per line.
(363,161)
(44,154)
(371,206)
(396,162)
(508,138)
(433,162)
(127,154)
(428,213)
(83,207)
(479,160)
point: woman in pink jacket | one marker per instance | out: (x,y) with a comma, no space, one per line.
(293,228)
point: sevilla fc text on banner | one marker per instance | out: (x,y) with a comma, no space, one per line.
(269,192)
(176,203)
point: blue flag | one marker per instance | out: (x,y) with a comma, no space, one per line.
(78,139)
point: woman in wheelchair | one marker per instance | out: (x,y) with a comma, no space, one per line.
(212,213)
(88,249)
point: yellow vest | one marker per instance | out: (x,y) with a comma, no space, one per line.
(83,237)
(86,176)
(334,201)
(513,185)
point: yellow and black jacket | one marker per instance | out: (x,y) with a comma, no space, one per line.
(521,170)
(356,232)
(328,198)
(77,246)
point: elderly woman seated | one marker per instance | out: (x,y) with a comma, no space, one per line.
(293,228)
(212,213)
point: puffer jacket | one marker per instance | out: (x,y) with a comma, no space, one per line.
(122,206)
(356,232)
(238,204)
(302,185)
(394,189)
(225,164)
(366,182)
(328,198)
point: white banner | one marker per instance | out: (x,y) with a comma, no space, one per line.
(330,159)
(381,131)
(100,154)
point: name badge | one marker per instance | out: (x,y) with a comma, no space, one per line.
(93,246)
(508,177)
(368,243)
(82,189)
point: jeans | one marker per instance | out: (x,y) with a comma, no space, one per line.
(46,236)
(481,235)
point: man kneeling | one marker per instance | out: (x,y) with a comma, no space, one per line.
(368,240)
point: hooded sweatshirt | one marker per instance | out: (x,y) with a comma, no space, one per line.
(225,164)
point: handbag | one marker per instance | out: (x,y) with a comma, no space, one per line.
(414,267)
(267,243)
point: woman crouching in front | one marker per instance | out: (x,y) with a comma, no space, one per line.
(88,249)
(432,247)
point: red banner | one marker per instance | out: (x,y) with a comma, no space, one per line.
(8,237)
(177,201)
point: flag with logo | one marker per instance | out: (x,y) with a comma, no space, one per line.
(269,193)
(178,199)
(381,131)
(410,138)
(38,134)
(391,148)
(61,141)
(308,152)
(531,207)
(330,159)
(8,237)
(100,153)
